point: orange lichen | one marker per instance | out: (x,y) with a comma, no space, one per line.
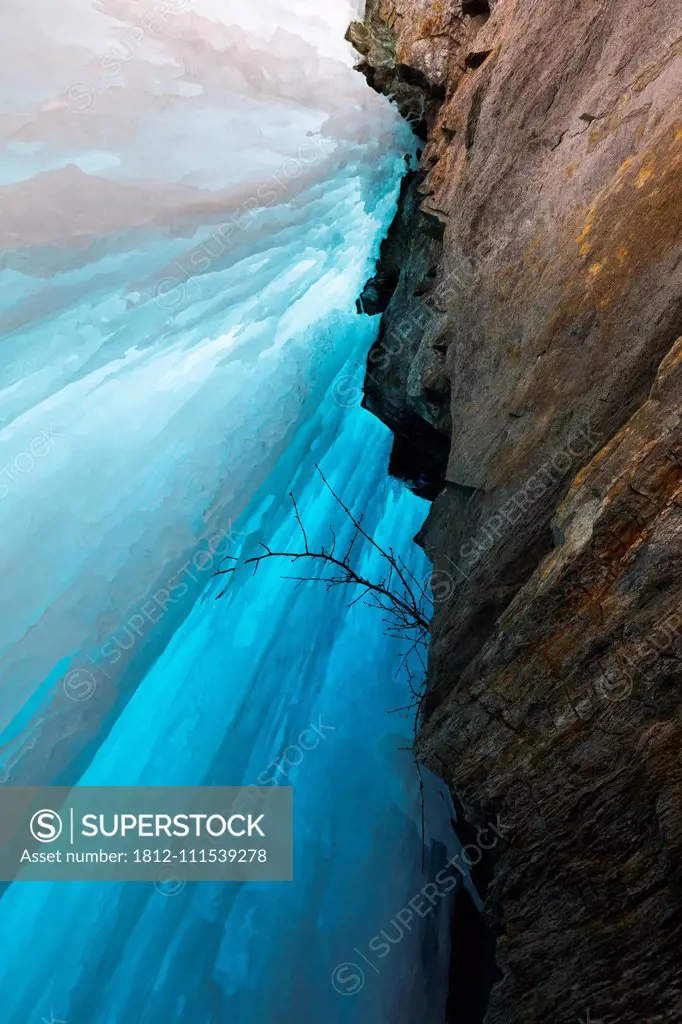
(618,244)
(624,166)
(584,233)
(645,173)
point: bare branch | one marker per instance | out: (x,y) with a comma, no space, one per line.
(357,523)
(396,593)
(300,523)
(350,576)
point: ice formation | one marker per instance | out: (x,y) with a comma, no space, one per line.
(193,193)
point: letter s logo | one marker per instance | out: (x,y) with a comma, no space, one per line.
(46,826)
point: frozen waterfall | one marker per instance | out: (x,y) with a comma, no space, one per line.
(193,193)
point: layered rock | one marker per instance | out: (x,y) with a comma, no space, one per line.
(538,290)
(567,723)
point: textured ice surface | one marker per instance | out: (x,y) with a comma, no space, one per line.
(205,192)
(192,196)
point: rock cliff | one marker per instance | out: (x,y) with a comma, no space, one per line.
(529,364)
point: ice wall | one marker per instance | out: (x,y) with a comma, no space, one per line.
(240,683)
(193,195)
(187,189)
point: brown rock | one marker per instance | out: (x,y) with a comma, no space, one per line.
(538,292)
(567,722)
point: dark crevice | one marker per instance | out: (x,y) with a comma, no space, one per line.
(473,969)
(474,59)
(473,943)
(379,289)
(431,97)
(420,450)
(431,225)
(474,8)
(419,457)
(376,294)
(413,76)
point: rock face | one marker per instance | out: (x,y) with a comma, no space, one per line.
(397,386)
(538,279)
